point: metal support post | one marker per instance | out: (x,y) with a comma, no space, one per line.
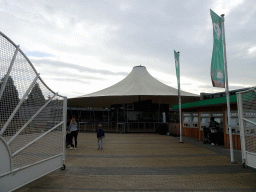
(227,92)
(64,128)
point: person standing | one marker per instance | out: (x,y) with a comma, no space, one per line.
(214,127)
(73,133)
(100,136)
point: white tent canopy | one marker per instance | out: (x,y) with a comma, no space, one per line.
(138,85)
(138,82)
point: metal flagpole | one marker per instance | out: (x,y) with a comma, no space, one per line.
(180,101)
(227,92)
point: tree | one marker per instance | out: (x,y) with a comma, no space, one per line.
(36,94)
(9,99)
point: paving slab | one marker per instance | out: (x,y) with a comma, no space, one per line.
(146,162)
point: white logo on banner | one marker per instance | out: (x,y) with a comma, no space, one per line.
(217,30)
(176,63)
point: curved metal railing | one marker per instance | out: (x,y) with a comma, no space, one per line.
(32,116)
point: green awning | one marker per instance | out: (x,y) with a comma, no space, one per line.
(215,101)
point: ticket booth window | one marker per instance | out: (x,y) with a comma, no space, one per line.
(195,121)
(234,123)
(187,121)
(220,121)
(217,120)
(205,120)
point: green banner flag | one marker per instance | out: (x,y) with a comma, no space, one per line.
(177,66)
(217,65)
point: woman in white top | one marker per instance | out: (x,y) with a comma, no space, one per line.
(73,132)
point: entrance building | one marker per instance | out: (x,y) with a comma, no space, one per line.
(196,116)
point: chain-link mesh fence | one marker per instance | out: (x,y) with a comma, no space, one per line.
(249,115)
(31,114)
(247,124)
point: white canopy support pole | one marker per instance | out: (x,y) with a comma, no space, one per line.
(18,106)
(117,115)
(94,122)
(158,120)
(90,111)
(9,71)
(108,118)
(124,113)
(127,117)
(116,119)
(31,119)
(127,120)
(227,92)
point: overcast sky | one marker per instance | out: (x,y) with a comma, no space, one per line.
(80,47)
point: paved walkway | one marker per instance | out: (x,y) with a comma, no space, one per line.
(146,162)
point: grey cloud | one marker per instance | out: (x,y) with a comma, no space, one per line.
(148,37)
(73,80)
(64,75)
(59,64)
(148,33)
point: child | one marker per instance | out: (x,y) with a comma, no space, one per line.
(68,141)
(100,135)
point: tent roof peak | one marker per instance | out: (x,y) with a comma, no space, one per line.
(139,82)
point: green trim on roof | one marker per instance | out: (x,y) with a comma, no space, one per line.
(215,101)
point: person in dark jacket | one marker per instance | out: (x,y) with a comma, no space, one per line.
(214,127)
(100,136)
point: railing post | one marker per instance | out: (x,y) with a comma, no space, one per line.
(241,125)
(64,128)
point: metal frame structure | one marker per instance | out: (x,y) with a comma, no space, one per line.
(246,102)
(29,147)
(121,127)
